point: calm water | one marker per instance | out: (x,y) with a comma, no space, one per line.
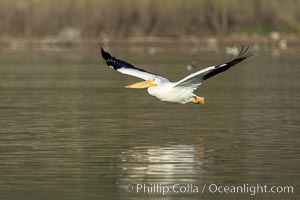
(70,130)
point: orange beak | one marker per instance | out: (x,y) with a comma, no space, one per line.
(143,84)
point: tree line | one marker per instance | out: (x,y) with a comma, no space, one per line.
(122,18)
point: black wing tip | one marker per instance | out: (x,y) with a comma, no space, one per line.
(102,51)
(246,52)
(110,61)
(104,54)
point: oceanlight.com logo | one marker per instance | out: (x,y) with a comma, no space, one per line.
(163,189)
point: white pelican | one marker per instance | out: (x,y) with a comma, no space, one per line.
(181,92)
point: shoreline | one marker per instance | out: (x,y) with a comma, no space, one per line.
(275,39)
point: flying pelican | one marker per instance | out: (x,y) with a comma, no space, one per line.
(181,92)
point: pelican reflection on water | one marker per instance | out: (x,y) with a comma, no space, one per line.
(180,163)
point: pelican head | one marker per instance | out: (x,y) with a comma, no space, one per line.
(143,84)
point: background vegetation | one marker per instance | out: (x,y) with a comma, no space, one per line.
(122,18)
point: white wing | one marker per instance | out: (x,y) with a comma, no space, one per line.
(126,68)
(196,79)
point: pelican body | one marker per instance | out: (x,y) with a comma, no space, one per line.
(181,92)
